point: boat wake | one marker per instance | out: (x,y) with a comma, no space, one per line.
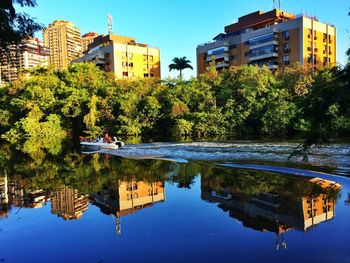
(335,156)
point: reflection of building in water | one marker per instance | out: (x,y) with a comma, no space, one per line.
(68,203)
(124,198)
(317,209)
(13,193)
(276,213)
(4,199)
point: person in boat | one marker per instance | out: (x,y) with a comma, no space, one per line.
(107,138)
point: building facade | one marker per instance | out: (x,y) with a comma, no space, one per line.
(124,57)
(275,39)
(68,203)
(125,198)
(64,41)
(86,40)
(28,54)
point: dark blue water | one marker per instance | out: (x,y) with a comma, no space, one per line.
(177,203)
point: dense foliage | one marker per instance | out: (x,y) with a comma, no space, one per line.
(243,102)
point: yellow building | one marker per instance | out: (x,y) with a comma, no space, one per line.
(86,40)
(124,57)
(64,41)
(275,39)
(125,198)
(29,53)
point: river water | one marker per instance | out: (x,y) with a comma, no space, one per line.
(176,202)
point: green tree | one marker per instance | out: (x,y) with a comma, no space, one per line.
(180,64)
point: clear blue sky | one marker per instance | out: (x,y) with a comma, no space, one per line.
(178,26)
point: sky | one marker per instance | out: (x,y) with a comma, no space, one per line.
(178,26)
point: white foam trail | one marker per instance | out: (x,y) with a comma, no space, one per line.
(335,155)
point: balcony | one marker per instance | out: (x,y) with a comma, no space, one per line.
(269,64)
(264,54)
(224,56)
(263,41)
(218,51)
(223,64)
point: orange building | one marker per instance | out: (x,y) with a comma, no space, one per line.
(276,212)
(86,40)
(64,41)
(274,39)
(68,203)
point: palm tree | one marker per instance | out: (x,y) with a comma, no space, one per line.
(180,64)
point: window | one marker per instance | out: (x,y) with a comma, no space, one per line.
(130,55)
(233,46)
(145,75)
(125,74)
(286,59)
(286,48)
(150,58)
(233,57)
(131,64)
(285,35)
(124,64)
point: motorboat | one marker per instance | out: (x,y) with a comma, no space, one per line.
(102,144)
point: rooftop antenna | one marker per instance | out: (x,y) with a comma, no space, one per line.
(110,24)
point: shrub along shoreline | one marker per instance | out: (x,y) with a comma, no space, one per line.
(48,106)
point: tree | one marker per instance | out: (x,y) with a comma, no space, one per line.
(180,64)
(16,26)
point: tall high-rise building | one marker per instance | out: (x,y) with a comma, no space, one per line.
(64,40)
(86,40)
(68,203)
(124,57)
(27,54)
(275,39)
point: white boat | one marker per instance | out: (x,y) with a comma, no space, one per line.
(115,144)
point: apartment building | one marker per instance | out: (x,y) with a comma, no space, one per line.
(123,56)
(275,39)
(125,198)
(86,40)
(64,41)
(68,203)
(28,54)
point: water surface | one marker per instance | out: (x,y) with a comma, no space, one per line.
(176,202)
